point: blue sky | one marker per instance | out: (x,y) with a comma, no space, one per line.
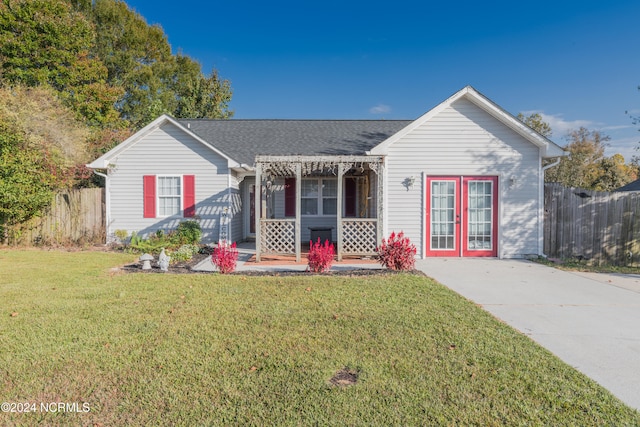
(575,62)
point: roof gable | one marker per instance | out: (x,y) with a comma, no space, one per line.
(548,147)
(103,161)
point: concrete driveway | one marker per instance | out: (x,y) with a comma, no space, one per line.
(591,321)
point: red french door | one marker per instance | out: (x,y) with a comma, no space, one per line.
(462,216)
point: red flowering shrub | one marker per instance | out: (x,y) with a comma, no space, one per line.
(397,253)
(320,256)
(225,257)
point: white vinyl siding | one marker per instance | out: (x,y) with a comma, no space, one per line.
(236,232)
(169,151)
(464,140)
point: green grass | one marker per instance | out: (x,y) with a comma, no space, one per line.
(153,349)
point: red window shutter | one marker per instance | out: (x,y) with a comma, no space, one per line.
(290,197)
(189,195)
(149,196)
(350,197)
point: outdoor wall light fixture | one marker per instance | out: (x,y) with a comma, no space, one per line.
(408,182)
(512,181)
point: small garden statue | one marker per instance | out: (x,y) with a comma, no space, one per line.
(163,261)
(146,261)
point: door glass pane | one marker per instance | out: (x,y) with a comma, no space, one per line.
(480,216)
(443,201)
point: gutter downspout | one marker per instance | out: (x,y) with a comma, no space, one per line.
(541,224)
(107,204)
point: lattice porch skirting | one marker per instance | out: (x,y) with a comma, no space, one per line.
(278,236)
(359,236)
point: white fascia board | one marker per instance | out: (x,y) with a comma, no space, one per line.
(103,161)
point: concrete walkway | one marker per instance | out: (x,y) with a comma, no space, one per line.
(590,320)
(246,250)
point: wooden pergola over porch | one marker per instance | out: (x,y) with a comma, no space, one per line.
(282,236)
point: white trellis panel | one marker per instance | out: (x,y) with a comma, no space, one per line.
(359,236)
(278,236)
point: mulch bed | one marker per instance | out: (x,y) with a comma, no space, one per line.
(186,268)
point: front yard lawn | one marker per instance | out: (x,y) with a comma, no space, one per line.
(209,349)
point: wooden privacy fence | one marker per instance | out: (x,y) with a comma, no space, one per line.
(75,217)
(595,226)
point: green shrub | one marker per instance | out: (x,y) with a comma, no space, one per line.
(121,235)
(184,253)
(189,232)
(154,244)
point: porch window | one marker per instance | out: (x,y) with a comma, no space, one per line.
(319,196)
(169,195)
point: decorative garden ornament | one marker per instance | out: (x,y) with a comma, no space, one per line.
(163,261)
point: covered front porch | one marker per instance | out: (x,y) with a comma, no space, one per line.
(342,194)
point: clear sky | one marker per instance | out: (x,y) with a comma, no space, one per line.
(575,62)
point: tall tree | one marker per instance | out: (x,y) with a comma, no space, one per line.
(102,60)
(614,173)
(587,167)
(25,181)
(139,59)
(47,127)
(46,42)
(535,122)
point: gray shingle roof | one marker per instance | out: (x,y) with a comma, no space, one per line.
(242,140)
(632,186)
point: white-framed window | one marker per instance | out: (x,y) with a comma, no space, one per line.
(169,195)
(319,196)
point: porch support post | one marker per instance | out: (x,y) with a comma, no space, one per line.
(341,170)
(298,235)
(380,171)
(258,213)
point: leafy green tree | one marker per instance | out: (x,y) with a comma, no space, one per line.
(46,124)
(198,96)
(614,173)
(103,62)
(587,167)
(46,42)
(535,122)
(25,177)
(139,59)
